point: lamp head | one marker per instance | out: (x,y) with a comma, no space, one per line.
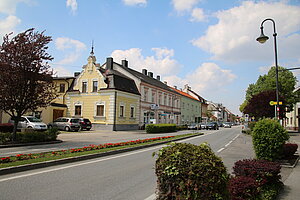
(262,38)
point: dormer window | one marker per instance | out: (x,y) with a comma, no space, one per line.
(84,87)
(95,86)
(62,88)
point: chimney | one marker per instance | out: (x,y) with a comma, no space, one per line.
(125,63)
(165,82)
(76,74)
(109,63)
(175,87)
(158,77)
(144,71)
(150,74)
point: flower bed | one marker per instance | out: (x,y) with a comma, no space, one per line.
(20,157)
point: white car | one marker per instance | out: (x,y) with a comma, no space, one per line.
(31,122)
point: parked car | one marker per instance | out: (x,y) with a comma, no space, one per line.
(193,126)
(65,124)
(85,124)
(30,122)
(212,125)
(227,125)
(203,126)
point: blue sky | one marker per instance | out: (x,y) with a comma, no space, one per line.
(208,44)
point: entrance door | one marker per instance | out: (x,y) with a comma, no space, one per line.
(57,114)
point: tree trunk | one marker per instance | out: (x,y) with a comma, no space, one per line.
(14,133)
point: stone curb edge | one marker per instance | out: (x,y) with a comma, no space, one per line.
(21,168)
(29,144)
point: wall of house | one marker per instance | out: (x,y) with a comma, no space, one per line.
(291,121)
(190,109)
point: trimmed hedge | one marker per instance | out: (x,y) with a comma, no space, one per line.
(160,128)
(187,171)
(263,171)
(31,136)
(268,139)
(289,150)
(6,128)
(266,176)
(243,187)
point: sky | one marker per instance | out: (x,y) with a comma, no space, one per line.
(208,44)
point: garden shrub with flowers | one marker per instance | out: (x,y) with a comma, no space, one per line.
(90,148)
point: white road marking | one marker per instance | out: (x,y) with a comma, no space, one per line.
(220,150)
(152,197)
(93,161)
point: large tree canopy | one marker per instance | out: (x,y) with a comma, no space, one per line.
(286,84)
(267,82)
(25,79)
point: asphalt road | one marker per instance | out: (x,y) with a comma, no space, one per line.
(127,176)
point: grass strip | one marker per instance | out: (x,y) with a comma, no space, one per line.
(56,155)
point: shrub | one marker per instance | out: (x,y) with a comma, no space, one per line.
(160,128)
(183,127)
(263,171)
(243,187)
(268,139)
(187,171)
(289,150)
(5,138)
(37,136)
(251,125)
(6,128)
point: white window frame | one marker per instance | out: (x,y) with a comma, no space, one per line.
(87,86)
(99,104)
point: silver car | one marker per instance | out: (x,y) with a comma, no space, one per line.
(65,124)
(30,122)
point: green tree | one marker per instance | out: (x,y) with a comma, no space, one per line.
(286,85)
(243,105)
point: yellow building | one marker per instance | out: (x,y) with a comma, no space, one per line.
(109,99)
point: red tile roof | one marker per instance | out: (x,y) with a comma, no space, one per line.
(184,94)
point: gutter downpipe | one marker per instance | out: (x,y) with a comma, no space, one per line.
(115,112)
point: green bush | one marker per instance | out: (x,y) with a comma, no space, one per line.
(160,128)
(182,127)
(187,171)
(268,139)
(251,125)
(5,138)
(37,136)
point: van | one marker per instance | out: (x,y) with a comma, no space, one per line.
(30,122)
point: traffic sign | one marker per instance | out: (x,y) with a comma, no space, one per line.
(273,103)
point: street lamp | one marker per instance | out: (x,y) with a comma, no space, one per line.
(262,39)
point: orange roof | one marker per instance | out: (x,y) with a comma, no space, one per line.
(184,94)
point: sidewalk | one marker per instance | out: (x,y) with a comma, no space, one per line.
(241,148)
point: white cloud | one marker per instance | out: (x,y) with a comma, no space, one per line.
(197,15)
(161,64)
(207,79)
(233,37)
(8,25)
(72,4)
(72,49)
(135,2)
(184,5)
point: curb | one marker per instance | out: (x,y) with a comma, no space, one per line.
(30,144)
(21,168)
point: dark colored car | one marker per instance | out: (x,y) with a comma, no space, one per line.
(85,124)
(212,126)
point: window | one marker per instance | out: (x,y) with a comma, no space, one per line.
(78,110)
(61,87)
(145,95)
(165,100)
(95,86)
(84,87)
(121,111)
(153,97)
(159,99)
(170,100)
(132,112)
(100,110)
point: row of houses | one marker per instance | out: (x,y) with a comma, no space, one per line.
(115,97)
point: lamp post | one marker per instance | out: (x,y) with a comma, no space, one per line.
(262,39)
